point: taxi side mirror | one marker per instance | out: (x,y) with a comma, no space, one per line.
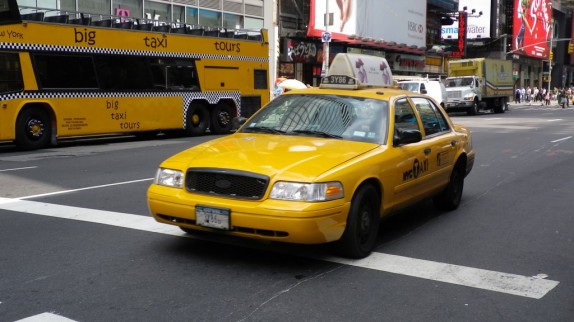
(406,136)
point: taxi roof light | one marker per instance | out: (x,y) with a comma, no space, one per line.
(354,71)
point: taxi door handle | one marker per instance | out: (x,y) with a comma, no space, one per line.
(453,143)
(427,151)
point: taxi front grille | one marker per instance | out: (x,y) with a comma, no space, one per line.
(226,183)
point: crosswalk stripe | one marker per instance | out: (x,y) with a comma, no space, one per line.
(46,317)
(531,287)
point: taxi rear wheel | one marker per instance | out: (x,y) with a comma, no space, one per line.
(362,227)
(450,197)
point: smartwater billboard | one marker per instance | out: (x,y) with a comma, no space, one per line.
(532,28)
(478,26)
(388,20)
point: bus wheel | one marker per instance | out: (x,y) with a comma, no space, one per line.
(197,120)
(221,119)
(33,128)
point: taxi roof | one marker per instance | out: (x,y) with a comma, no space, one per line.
(354,71)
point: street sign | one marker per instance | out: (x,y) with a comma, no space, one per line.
(326,36)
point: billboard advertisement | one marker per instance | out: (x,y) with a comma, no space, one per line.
(478,26)
(390,20)
(532,28)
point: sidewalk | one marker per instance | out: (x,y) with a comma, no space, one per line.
(553,103)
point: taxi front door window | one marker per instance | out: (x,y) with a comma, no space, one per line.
(405,116)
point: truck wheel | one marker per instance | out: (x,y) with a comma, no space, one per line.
(473,109)
(33,128)
(501,106)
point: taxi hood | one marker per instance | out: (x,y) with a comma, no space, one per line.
(290,157)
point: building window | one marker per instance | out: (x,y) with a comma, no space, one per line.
(252,23)
(101,7)
(191,16)
(128,8)
(209,18)
(232,21)
(157,11)
(179,14)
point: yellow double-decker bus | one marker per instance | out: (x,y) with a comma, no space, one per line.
(65,74)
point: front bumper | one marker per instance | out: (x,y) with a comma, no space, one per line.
(274,220)
(459,104)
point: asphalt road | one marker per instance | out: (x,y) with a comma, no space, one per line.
(77,242)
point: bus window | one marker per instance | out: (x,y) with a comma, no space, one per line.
(10,74)
(59,71)
(123,72)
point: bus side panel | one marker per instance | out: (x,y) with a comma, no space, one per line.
(78,116)
(219,78)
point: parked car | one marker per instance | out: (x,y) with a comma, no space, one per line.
(320,165)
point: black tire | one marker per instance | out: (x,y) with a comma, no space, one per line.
(33,129)
(197,120)
(473,110)
(362,227)
(221,119)
(502,107)
(450,197)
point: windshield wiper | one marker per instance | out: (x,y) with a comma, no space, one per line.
(263,129)
(318,133)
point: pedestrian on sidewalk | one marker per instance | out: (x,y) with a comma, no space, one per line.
(517,95)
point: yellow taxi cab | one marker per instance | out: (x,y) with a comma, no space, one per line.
(320,165)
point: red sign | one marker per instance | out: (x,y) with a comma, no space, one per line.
(532,28)
(460,50)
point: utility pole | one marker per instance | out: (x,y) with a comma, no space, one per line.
(326,38)
(550,53)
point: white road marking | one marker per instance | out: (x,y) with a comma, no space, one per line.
(562,139)
(81,189)
(531,287)
(46,317)
(16,169)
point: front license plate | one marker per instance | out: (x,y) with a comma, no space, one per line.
(212,217)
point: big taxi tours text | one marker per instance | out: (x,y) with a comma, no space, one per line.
(89,37)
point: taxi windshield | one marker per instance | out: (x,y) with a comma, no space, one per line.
(327,116)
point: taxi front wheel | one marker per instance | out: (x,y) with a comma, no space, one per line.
(449,198)
(363,220)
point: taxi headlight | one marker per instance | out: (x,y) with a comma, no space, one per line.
(296,191)
(169,178)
